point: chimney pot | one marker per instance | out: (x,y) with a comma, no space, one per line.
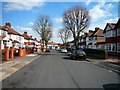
(25,32)
(96,28)
(31,36)
(8,24)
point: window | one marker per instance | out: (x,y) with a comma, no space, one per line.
(113,33)
(3,33)
(113,47)
(118,32)
(118,47)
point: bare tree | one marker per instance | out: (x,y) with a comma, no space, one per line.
(76,19)
(64,34)
(48,34)
(43,26)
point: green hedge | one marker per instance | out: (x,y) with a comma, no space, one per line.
(96,53)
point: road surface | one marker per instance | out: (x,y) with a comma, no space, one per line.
(56,70)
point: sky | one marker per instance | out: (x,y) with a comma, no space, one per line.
(22,15)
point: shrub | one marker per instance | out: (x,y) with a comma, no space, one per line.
(96,53)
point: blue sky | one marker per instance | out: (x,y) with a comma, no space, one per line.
(22,15)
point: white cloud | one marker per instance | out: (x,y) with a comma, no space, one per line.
(22,6)
(22,28)
(59,20)
(30,24)
(111,20)
(100,11)
(30,31)
(88,2)
(103,23)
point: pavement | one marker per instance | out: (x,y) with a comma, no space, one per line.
(57,70)
(9,67)
(110,64)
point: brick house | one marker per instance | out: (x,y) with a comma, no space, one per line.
(98,40)
(12,42)
(82,43)
(117,28)
(4,38)
(112,37)
(29,43)
(89,39)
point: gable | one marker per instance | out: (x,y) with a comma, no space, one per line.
(108,28)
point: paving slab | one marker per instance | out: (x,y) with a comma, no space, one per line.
(10,67)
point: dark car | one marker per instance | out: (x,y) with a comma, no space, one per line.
(78,54)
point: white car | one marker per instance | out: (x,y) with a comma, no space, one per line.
(63,50)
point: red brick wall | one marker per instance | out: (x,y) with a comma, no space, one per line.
(111,40)
(118,39)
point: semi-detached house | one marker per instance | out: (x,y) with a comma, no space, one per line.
(112,37)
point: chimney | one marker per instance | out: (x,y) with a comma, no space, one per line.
(30,36)
(96,28)
(91,31)
(8,24)
(35,38)
(25,33)
(85,33)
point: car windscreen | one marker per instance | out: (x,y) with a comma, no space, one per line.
(80,52)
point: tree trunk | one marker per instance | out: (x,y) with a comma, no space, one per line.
(42,46)
(46,47)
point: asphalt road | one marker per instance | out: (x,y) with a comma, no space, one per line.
(56,70)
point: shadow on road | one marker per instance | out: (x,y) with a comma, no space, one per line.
(47,54)
(111,86)
(68,58)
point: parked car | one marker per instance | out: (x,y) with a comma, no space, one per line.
(63,50)
(78,54)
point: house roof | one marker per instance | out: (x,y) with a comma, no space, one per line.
(31,38)
(26,36)
(11,30)
(111,25)
(3,28)
(90,33)
(51,43)
(16,41)
(98,32)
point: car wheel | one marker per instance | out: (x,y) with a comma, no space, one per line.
(73,57)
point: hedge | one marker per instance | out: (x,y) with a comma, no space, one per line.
(96,53)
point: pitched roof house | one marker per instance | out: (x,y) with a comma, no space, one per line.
(15,38)
(110,33)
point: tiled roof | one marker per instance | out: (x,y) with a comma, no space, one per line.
(11,31)
(30,38)
(16,41)
(90,33)
(51,43)
(26,36)
(98,32)
(3,28)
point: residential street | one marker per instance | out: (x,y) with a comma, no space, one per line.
(56,70)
